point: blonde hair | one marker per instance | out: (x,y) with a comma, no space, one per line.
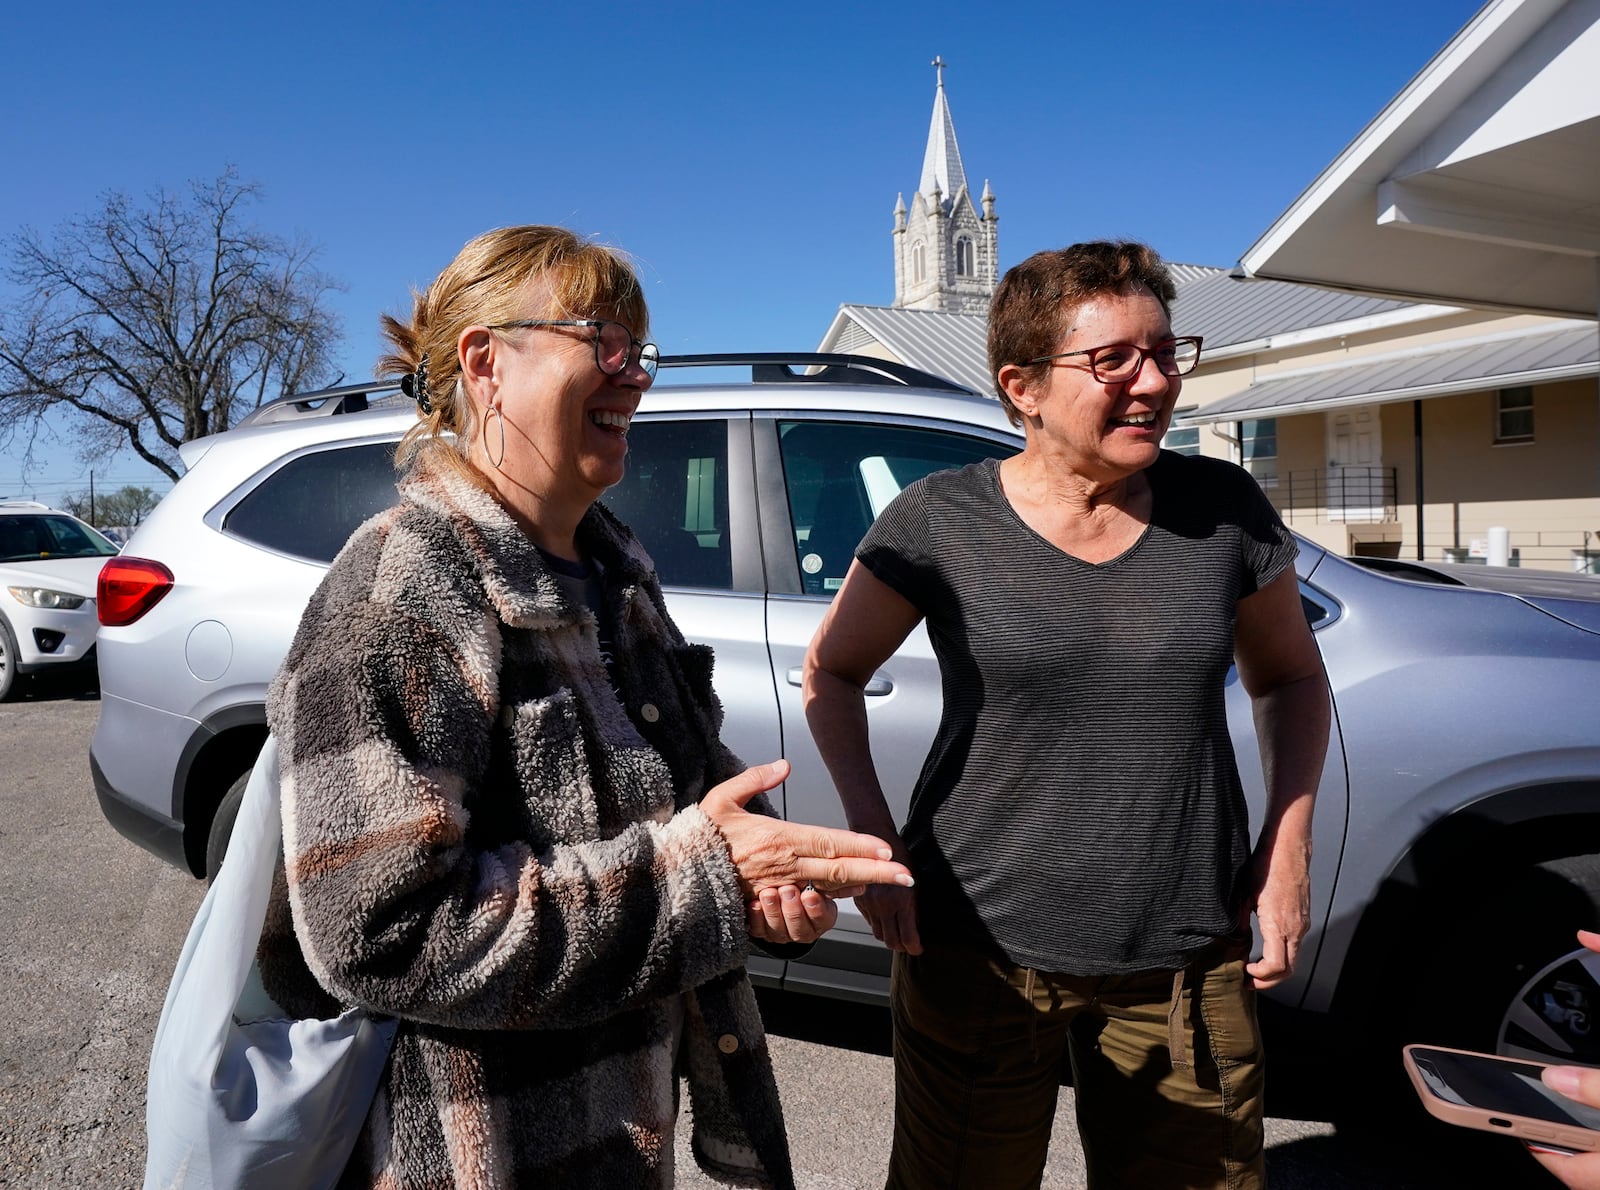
(488,283)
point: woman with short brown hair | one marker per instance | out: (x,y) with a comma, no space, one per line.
(1085,878)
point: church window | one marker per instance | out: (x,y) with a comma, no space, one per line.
(919,263)
(964,257)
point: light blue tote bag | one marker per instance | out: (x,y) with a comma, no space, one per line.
(239,1096)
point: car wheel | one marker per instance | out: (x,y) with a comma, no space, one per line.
(1472,971)
(222,825)
(1511,976)
(8,661)
(1553,1015)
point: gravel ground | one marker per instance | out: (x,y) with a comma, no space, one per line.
(90,926)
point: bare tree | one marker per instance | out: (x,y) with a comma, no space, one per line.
(127,506)
(153,325)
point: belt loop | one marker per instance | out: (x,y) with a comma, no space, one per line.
(1033,1015)
(1175,1046)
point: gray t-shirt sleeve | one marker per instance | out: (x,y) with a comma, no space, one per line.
(1267,548)
(896,548)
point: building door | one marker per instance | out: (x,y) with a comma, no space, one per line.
(1355,465)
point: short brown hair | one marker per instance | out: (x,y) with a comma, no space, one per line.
(487,283)
(1037,299)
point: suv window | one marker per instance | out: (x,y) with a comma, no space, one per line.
(841,475)
(675,499)
(309,507)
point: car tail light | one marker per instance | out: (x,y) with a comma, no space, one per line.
(129,587)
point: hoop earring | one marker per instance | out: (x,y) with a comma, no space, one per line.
(501,422)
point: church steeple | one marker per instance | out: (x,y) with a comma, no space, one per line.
(945,255)
(941,164)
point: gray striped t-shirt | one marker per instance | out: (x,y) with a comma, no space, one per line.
(1080,808)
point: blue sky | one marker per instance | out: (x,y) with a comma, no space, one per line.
(747,155)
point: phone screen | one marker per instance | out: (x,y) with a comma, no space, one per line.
(1499,1085)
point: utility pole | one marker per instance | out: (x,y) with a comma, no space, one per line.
(91,497)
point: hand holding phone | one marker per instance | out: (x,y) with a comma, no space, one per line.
(1504,1095)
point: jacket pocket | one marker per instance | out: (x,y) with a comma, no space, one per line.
(551,769)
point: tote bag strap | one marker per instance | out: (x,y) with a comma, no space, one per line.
(219,952)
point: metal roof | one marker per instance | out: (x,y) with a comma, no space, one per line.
(1210,303)
(1493,361)
(1182,274)
(1225,310)
(952,345)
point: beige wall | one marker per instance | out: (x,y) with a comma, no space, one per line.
(1546,492)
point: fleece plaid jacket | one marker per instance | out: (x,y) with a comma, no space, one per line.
(493,838)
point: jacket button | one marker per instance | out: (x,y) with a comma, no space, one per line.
(649,713)
(727,1043)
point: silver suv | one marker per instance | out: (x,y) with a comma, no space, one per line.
(1458,824)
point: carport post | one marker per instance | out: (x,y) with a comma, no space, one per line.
(1416,434)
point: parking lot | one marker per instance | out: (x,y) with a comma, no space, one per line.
(92,924)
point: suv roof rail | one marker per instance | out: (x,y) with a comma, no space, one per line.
(778,367)
(325,402)
(766,367)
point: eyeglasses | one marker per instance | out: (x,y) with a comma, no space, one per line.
(1117,362)
(614,344)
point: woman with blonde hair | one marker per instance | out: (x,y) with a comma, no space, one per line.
(509,820)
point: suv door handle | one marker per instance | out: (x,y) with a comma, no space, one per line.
(876,686)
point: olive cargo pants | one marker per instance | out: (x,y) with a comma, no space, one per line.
(978,1047)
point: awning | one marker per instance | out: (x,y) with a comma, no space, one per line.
(1497,361)
(1476,186)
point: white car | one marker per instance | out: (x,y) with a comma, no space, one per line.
(49,563)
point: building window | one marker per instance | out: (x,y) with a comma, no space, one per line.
(1513,414)
(1183,440)
(1258,446)
(964,257)
(919,266)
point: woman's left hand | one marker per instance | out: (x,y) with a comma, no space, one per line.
(1581,1171)
(1281,900)
(790,914)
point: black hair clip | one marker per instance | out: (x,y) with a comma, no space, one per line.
(415,385)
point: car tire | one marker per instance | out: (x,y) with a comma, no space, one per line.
(9,678)
(222,825)
(1474,955)
(1546,1005)
(1494,951)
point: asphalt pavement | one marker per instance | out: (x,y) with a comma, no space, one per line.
(90,926)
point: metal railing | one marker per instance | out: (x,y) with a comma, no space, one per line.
(1569,550)
(1355,495)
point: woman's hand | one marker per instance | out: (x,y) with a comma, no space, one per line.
(892,914)
(770,853)
(790,914)
(1581,1171)
(1280,897)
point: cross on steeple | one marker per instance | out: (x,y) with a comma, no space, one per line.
(939,64)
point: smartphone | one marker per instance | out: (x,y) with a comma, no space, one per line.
(1502,1095)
